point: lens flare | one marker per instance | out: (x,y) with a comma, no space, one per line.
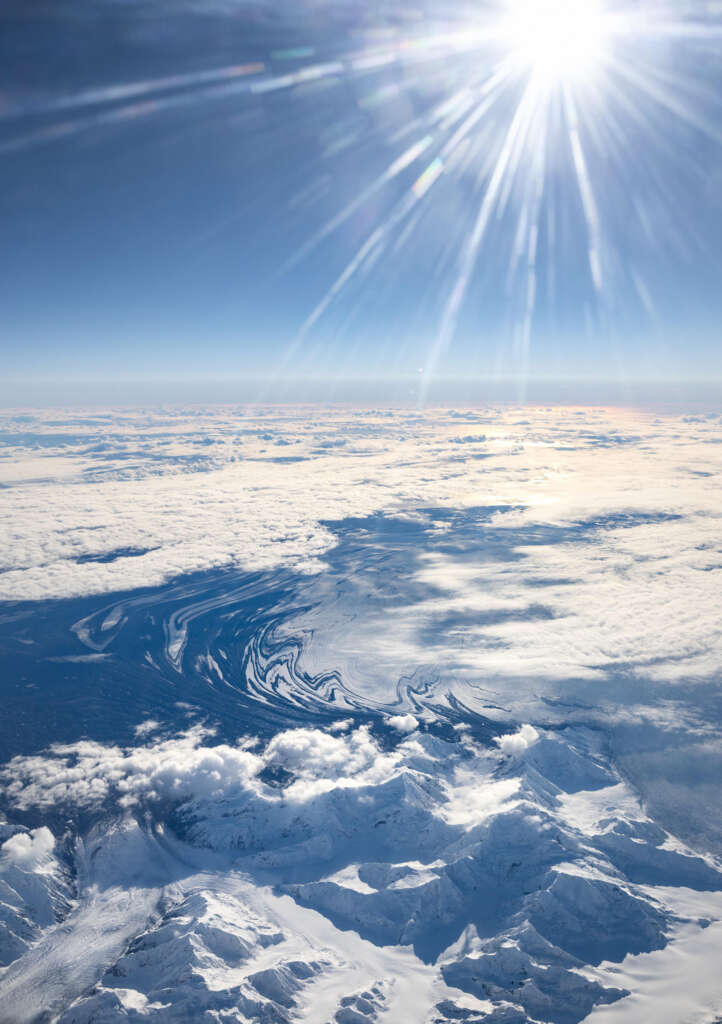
(558,40)
(502,163)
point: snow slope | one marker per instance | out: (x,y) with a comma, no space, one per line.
(354,891)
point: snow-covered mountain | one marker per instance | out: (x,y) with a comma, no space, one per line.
(419,876)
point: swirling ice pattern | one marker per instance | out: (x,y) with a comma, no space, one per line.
(204,633)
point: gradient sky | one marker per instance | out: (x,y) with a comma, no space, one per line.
(215,189)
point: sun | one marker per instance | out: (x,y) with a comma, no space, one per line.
(556,40)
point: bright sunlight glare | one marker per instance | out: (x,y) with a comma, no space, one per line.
(557,40)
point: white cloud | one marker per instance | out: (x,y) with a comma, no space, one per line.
(403,723)
(150,725)
(471,799)
(185,767)
(516,743)
(321,762)
(87,773)
(580,572)
(137,485)
(28,849)
(341,726)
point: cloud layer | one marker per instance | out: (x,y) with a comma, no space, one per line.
(188,766)
(97,502)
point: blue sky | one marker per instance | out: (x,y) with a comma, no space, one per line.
(192,193)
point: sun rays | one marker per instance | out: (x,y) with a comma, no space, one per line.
(541,120)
